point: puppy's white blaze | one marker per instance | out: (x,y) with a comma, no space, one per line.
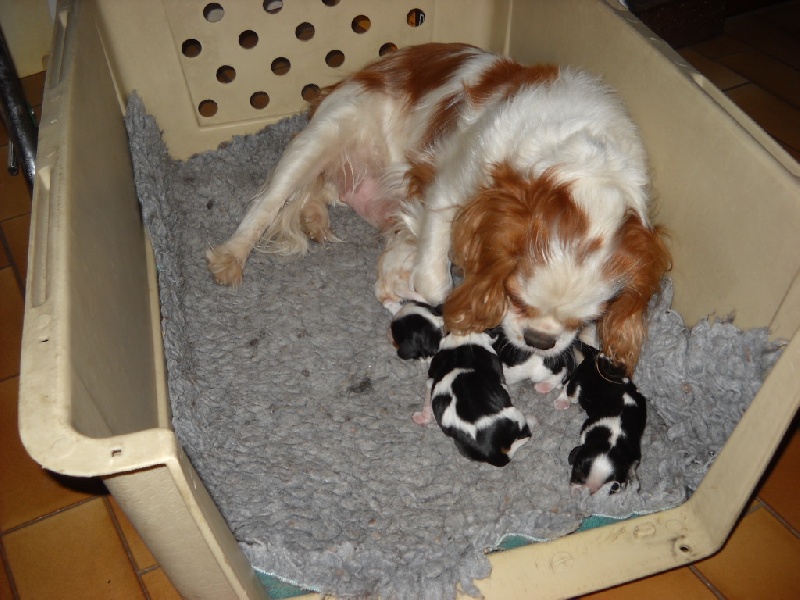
(537,370)
(510,413)
(601,470)
(516,446)
(409,309)
(478,339)
(445,385)
(613,424)
(450,419)
(516,373)
(574,397)
(532,369)
(628,400)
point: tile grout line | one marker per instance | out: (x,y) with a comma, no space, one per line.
(9,575)
(778,140)
(9,378)
(41,518)
(736,87)
(745,83)
(784,523)
(754,504)
(150,569)
(706,582)
(12,263)
(126,546)
(750,48)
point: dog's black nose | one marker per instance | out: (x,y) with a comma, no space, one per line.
(539,340)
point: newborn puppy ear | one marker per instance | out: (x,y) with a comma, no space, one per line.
(611,369)
(573,453)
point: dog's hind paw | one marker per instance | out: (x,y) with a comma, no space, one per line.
(225,266)
(315,223)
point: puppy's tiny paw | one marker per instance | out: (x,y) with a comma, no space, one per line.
(562,402)
(576,489)
(423,419)
(543,387)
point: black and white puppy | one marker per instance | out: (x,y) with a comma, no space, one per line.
(468,398)
(520,364)
(417,330)
(611,436)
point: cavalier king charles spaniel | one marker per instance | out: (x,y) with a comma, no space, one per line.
(531,180)
(611,436)
(468,398)
(417,330)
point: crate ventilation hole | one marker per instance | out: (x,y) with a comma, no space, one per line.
(214,12)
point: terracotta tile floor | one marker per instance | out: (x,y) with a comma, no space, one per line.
(63,538)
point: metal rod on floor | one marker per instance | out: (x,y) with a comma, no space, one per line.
(13,165)
(15,113)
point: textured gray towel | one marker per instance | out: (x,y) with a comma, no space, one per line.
(295,411)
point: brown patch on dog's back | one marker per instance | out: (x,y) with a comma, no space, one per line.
(372,79)
(443,120)
(416,70)
(506,77)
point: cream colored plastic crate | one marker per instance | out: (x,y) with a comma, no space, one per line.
(93,394)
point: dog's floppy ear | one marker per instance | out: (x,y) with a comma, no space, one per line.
(640,262)
(610,369)
(573,454)
(491,234)
(481,250)
(504,230)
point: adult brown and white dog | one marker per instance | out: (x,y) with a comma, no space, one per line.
(532,180)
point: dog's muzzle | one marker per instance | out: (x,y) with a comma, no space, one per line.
(538,340)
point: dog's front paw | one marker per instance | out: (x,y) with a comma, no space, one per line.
(432,282)
(225,266)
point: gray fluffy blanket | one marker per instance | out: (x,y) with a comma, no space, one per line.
(293,407)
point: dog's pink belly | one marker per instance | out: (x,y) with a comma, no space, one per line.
(366,200)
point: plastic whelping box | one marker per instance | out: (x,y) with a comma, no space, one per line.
(93,393)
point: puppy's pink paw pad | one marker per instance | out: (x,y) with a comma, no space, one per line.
(543,387)
(562,403)
(420,418)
